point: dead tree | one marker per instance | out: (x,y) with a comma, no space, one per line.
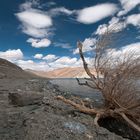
(117,78)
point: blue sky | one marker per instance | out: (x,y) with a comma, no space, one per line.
(42,34)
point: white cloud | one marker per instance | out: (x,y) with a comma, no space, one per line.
(120,55)
(34,18)
(96,13)
(61,10)
(39,43)
(34,32)
(88,44)
(11,55)
(34,22)
(133,19)
(114,25)
(30,64)
(61,62)
(47,66)
(50,57)
(127,6)
(38,56)
(134,47)
(64,61)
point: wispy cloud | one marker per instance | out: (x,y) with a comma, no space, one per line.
(61,11)
(51,3)
(34,22)
(34,18)
(62,45)
(114,25)
(29,4)
(96,13)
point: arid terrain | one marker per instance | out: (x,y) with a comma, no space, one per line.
(29,110)
(68,72)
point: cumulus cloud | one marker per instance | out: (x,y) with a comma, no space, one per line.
(64,61)
(53,62)
(127,6)
(51,65)
(88,44)
(11,55)
(30,64)
(133,19)
(50,57)
(96,13)
(39,43)
(38,56)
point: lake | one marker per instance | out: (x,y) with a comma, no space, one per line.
(70,86)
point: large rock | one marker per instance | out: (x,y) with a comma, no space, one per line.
(23,98)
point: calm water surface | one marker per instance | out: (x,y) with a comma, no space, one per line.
(71,86)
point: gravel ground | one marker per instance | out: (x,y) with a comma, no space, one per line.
(49,120)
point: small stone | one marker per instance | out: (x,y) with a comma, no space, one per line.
(75,127)
(89,136)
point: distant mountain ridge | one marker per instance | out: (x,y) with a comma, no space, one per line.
(68,72)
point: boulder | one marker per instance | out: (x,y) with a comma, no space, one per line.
(24,98)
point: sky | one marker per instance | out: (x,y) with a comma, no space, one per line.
(42,34)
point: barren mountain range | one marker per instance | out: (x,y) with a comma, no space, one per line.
(68,72)
(10,70)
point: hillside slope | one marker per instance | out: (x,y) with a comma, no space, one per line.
(10,70)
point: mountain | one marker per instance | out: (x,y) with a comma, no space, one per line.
(68,72)
(10,70)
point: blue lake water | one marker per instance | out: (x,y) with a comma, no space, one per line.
(70,86)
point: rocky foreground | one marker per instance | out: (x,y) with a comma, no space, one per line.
(30,111)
